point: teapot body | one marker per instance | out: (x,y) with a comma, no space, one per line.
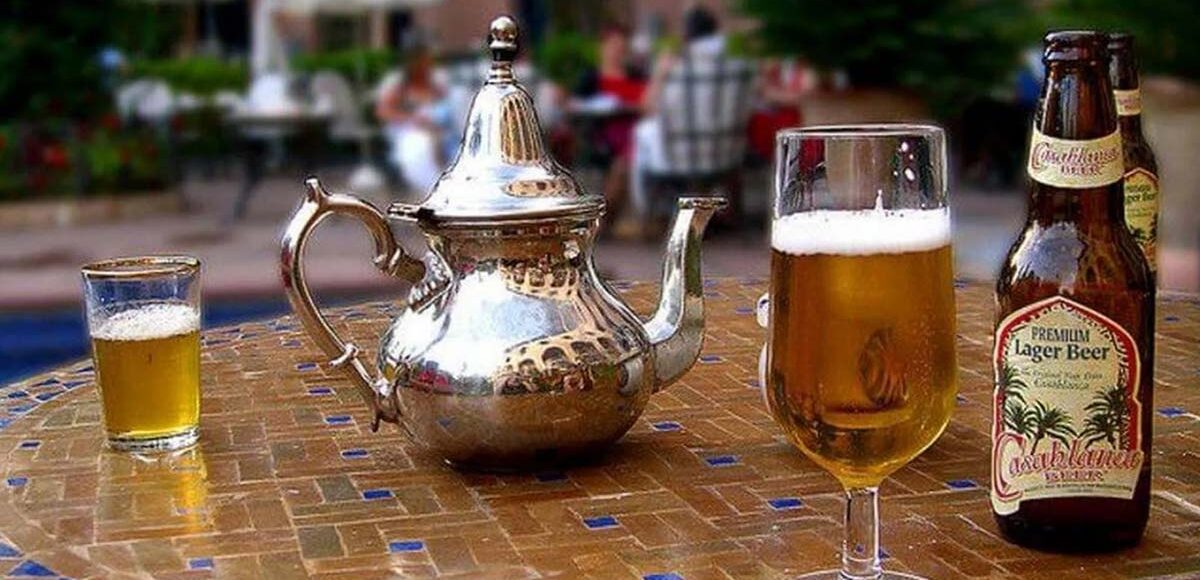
(520,355)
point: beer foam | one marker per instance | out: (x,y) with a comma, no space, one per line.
(861,232)
(149,322)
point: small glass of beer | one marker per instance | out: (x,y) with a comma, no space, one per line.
(860,367)
(143,316)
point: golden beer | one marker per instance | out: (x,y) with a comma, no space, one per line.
(862,370)
(147,363)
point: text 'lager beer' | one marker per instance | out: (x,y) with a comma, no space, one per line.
(148,368)
(863,378)
(1141,170)
(1074,351)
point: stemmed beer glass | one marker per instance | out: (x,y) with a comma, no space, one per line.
(860,370)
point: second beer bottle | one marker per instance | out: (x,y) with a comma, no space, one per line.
(1074,348)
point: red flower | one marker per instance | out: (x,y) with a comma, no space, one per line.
(54,156)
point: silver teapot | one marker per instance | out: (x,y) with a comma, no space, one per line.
(510,352)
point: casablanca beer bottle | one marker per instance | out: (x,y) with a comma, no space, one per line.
(1074,346)
(1141,170)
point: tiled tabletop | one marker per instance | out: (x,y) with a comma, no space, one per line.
(288,480)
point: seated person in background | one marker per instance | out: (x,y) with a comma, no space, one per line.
(418,122)
(784,83)
(613,80)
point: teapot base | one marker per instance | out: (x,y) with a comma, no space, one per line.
(543,461)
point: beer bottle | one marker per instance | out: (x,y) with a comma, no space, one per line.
(1141,170)
(1074,347)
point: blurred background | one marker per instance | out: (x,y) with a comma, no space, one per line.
(164,126)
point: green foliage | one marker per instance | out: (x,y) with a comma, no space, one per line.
(373,63)
(563,57)
(950,51)
(200,76)
(1165,29)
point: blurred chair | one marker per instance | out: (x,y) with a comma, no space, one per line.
(332,93)
(696,142)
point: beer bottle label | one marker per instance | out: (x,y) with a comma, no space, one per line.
(1066,415)
(1076,164)
(1141,211)
(1129,103)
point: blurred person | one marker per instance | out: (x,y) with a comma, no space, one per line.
(783,83)
(418,121)
(703,43)
(617,83)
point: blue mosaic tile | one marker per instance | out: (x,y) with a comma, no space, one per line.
(399,546)
(744,310)
(31,568)
(962,484)
(317,391)
(200,564)
(371,494)
(710,358)
(291,344)
(43,397)
(712,294)
(1172,412)
(1171,318)
(663,576)
(754,384)
(600,522)
(248,335)
(234,330)
(667,426)
(308,366)
(47,382)
(444,421)
(721,460)
(84,369)
(550,476)
(5,422)
(883,554)
(30,444)
(19,409)
(785,503)
(7,551)
(959,399)
(282,327)
(338,420)
(17,395)
(214,342)
(17,481)
(354,453)
(710,282)
(73,384)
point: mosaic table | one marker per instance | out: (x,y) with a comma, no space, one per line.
(288,480)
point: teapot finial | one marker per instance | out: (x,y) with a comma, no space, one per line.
(502,41)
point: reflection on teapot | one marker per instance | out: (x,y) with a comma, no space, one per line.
(510,351)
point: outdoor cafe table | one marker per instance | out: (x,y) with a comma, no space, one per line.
(289,481)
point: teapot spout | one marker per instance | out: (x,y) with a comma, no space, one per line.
(676,330)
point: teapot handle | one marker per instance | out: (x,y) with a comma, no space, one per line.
(389,257)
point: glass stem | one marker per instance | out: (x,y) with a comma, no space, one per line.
(860,549)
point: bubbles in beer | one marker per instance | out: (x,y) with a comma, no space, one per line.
(149,322)
(861,232)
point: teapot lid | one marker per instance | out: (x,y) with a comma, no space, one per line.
(503,171)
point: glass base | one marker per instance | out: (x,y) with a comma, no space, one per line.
(173,442)
(837,575)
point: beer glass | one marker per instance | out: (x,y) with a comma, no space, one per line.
(860,363)
(143,317)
